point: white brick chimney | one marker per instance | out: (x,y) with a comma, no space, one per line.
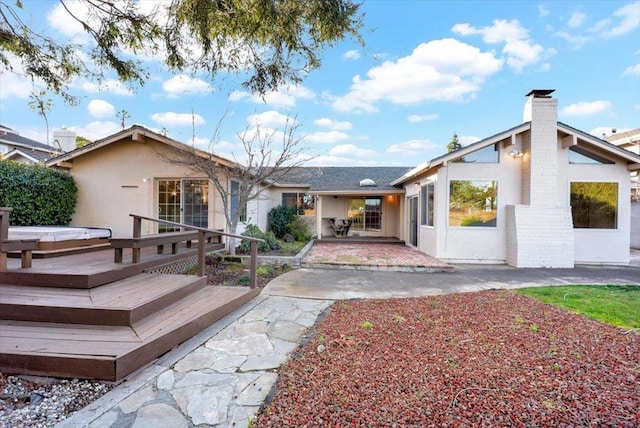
(64,140)
(540,230)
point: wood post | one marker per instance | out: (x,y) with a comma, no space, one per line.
(201,258)
(137,226)
(253,272)
(4,235)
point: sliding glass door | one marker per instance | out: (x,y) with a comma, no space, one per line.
(183,201)
(366,214)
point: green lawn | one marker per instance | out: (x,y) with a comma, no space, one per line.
(613,304)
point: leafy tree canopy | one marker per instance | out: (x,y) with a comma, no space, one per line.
(266,42)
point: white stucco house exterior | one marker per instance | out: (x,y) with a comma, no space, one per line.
(540,194)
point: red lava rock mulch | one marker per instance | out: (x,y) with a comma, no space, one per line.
(493,358)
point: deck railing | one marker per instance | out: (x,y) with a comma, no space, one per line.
(202,234)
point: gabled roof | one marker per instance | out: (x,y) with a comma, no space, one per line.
(33,155)
(632,159)
(11,138)
(136,133)
(332,180)
(463,151)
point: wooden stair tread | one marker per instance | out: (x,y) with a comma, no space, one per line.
(123,294)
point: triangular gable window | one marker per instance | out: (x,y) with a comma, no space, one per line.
(487,154)
(578,155)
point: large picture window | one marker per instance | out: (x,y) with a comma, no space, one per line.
(304,202)
(473,203)
(426,203)
(594,205)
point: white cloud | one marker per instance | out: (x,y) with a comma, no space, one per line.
(177,119)
(59,19)
(466,140)
(15,85)
(350,150)
(518,48)
(416,118)
(351,54)
(586,108)
(333,124)
(269,118)
(625,20)
(183,84)
(576,41)
(442,70)
(543,10)
(100,108)
(412,148)
(96,130)
(286,96)
(326,137)
(576,19)
(632,70)
(111,86)
(238,95)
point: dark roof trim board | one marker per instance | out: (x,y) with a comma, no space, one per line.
(600,143)
(441,160)
(136,133)
(632,159)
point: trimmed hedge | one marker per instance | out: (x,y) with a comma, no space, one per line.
(38,195)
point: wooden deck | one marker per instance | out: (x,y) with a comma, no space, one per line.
(84,316)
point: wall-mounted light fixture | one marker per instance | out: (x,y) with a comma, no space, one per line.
(146,180)
(516,154)
(417,184)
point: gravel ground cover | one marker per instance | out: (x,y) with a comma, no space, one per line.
(493,358)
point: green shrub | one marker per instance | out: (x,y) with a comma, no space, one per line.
(300,230)
(266,271)
(254,231)
(280,219)
(38,195)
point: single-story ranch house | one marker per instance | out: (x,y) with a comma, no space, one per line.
(541,194)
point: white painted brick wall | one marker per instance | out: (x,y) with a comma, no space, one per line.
(540,237)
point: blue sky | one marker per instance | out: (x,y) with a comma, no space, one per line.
(427,70)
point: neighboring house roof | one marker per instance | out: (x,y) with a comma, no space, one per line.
(31,155)
(13,139)
(332,180)
(632,159)
(136,133)
(627,140)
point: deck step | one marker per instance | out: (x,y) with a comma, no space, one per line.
(111,352)
(90,274)
(122,303)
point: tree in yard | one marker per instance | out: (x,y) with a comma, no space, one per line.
(269,156)
(454,144)
(265,42)
(41,106)
(123,115)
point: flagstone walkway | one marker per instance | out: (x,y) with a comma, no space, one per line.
(221,382)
